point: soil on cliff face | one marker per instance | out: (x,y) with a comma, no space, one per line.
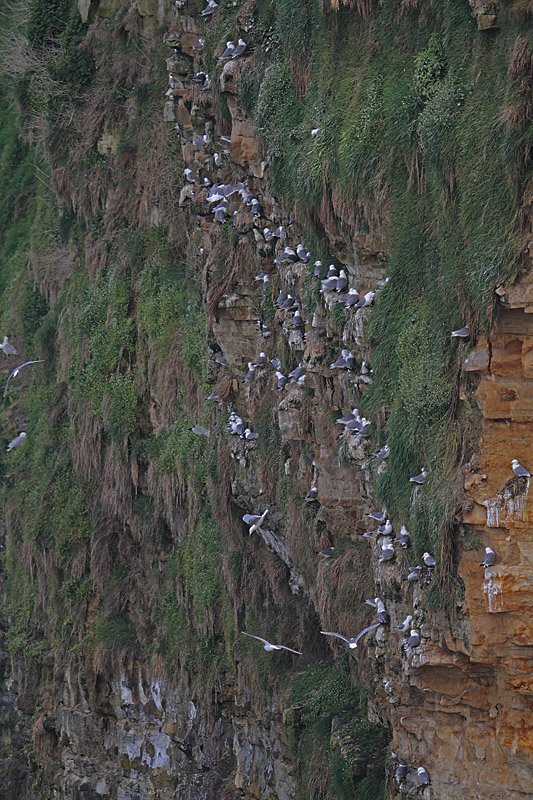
(169,216)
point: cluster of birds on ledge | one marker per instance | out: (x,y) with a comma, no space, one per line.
(334,288)
(269,235)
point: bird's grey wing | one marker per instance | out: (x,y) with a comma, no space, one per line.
(259,638)
(7,382)
(371,603)
(338,635)
(282,646)
(365,630)
(249,518)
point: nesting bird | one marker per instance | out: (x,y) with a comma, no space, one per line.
(210,8)
(387,551)
(518,469)
(420,478)
(490,558)
(404,627)
(461,333)
(18,441)
(403,537)
(8,348)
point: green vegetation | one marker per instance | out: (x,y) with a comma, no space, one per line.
(334,726)
(413,142)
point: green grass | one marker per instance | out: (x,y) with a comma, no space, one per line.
(324,693)
(413,139)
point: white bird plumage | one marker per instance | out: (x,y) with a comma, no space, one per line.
(268,646)
(352,643)
(17,370)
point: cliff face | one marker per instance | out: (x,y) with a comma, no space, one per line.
(128,573)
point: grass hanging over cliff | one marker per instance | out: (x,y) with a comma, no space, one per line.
(415,142)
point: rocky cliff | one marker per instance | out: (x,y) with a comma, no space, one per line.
(169,214)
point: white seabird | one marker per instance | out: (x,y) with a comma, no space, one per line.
(387,551)
(403,537)
(420,478)
(429,561)
(401,772)
(352,642)
(519,470)
(210,8)
(17,370)
(250,375)
(228,52)
(490,557)
(461,333)
(258,522)
(8,348)
(18,441)
(200,430)
(414,639)
(269,647)
(423,777)
(386,528)
(404,626)
(239,49)
(379,516)
(366,300)
(282,380)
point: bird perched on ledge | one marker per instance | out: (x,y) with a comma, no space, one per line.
(519,470)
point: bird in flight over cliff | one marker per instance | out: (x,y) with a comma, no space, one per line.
(462,333)
(519,470)
(490,558)
(254,520)
(419,479)
(18,441)
(200,430)
(8,348)
(269,647)
(352,642)
(17,370)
